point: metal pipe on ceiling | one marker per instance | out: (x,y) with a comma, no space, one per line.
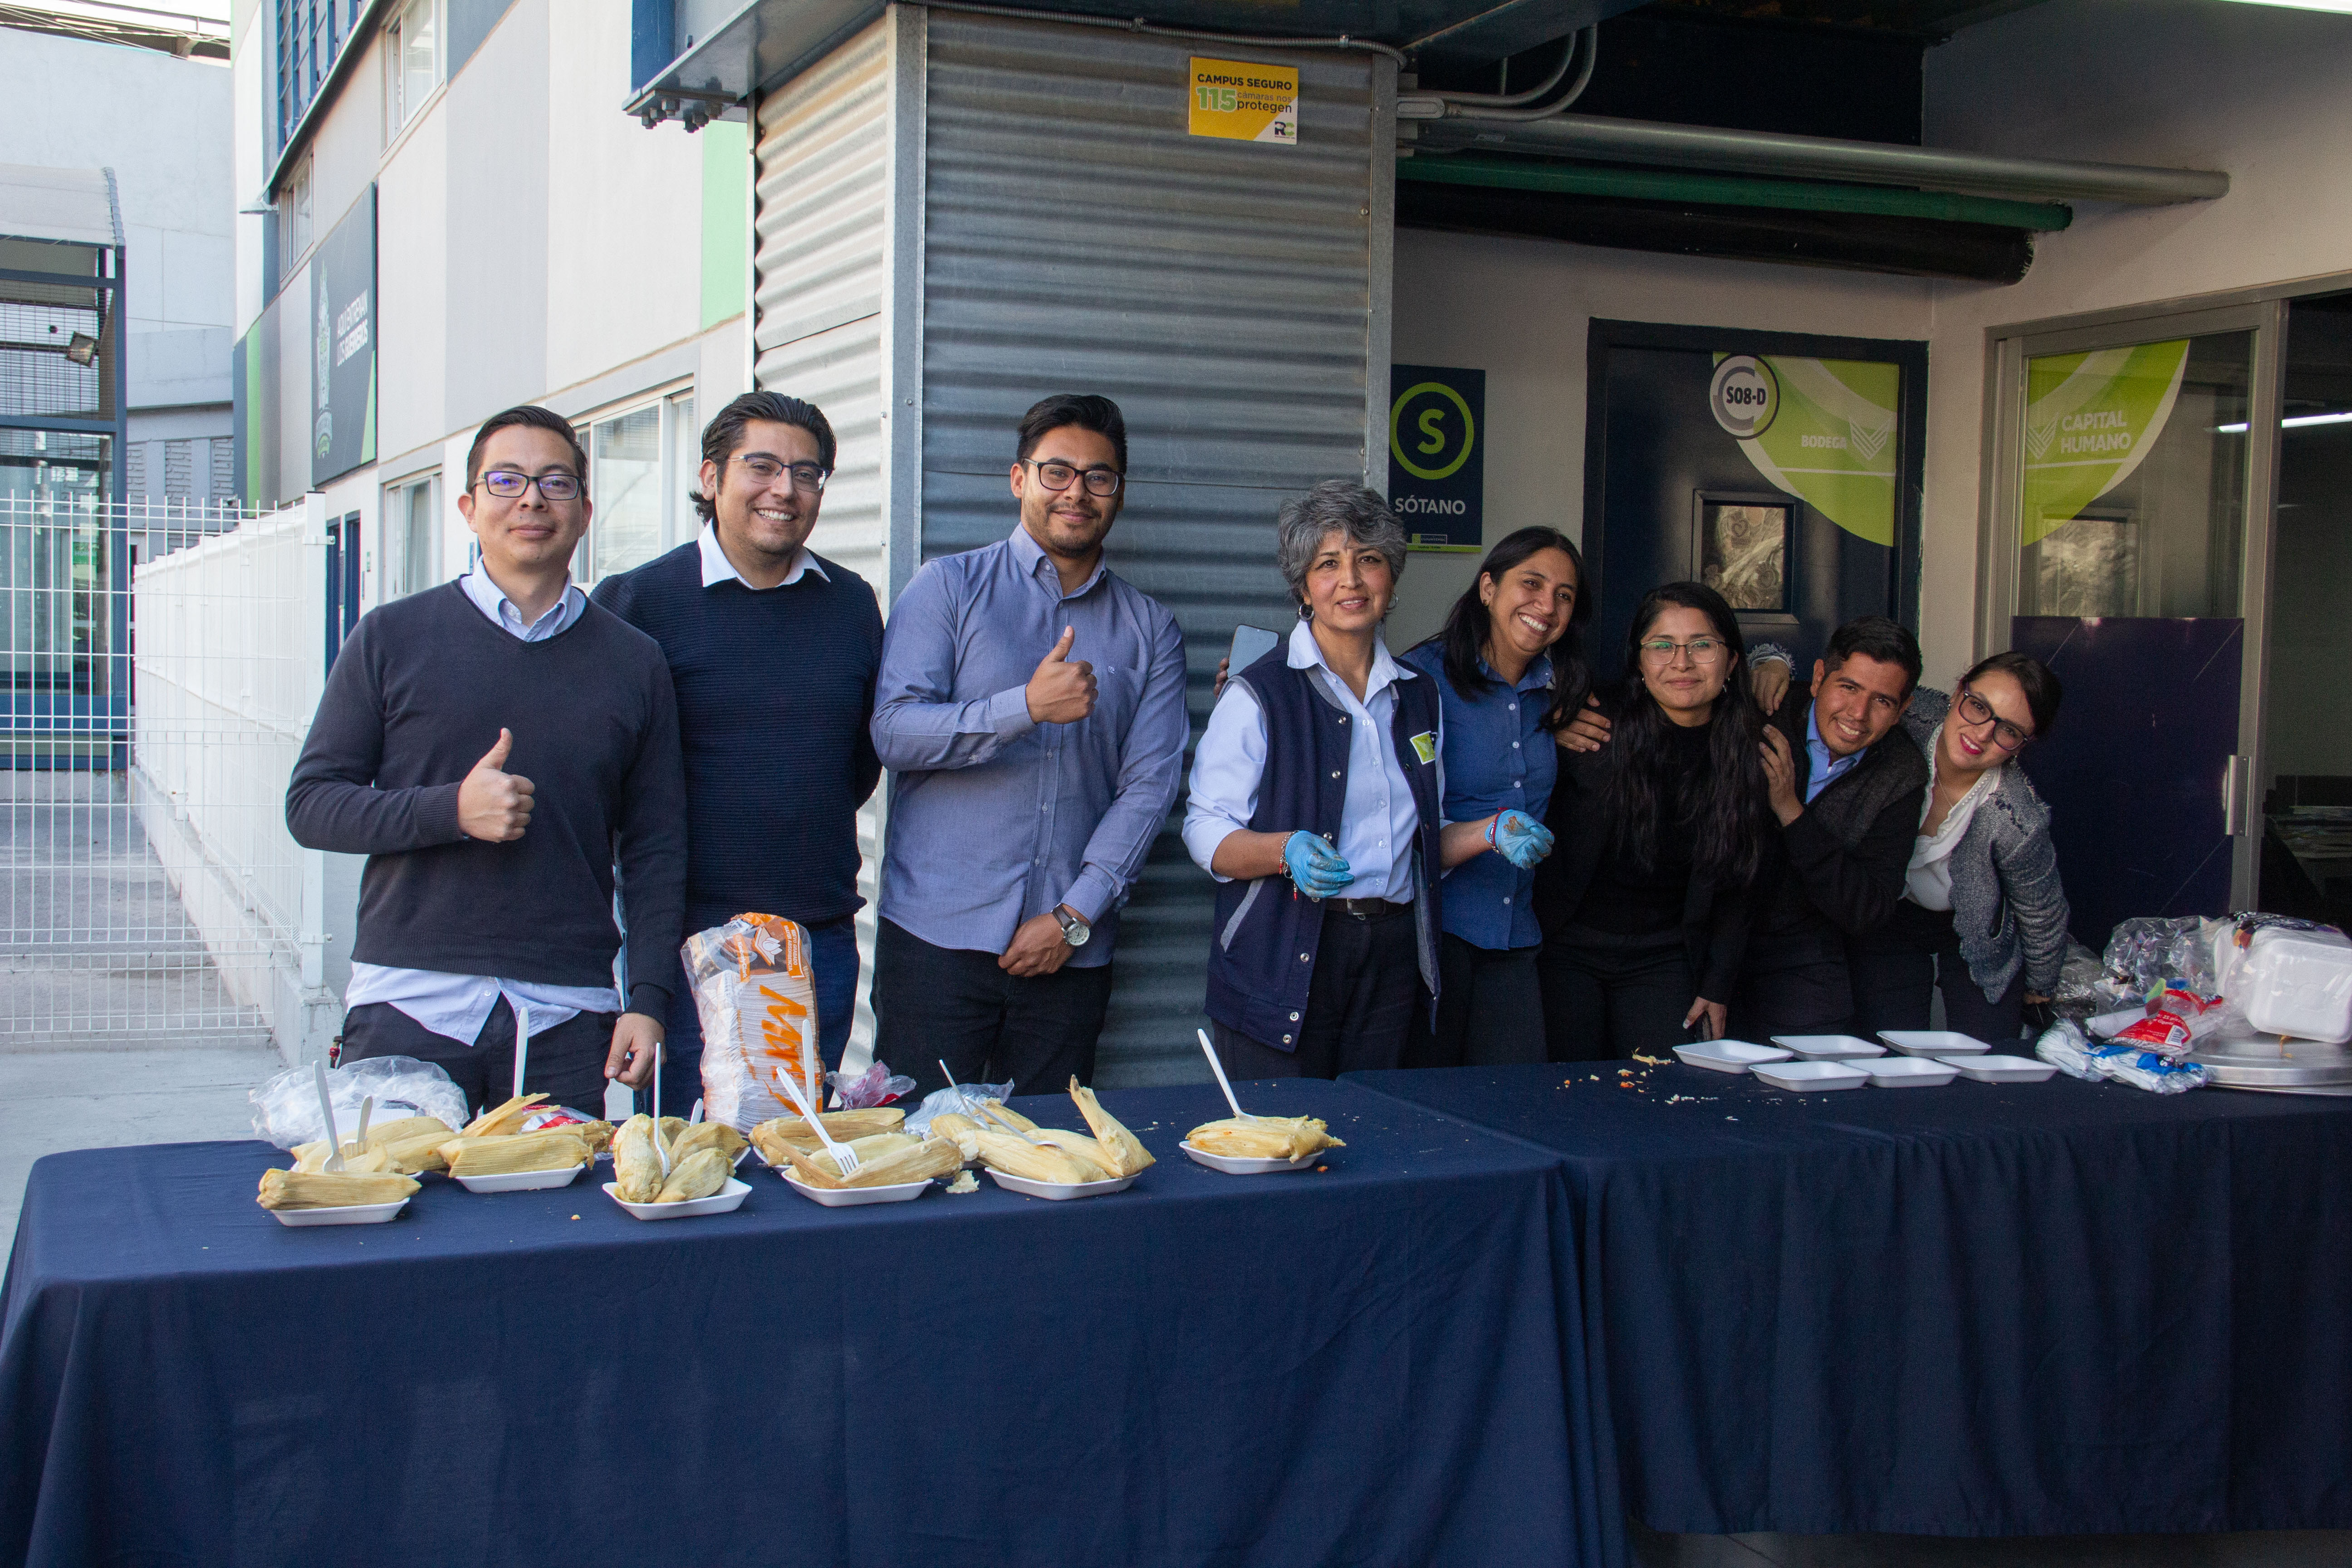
(1813,157)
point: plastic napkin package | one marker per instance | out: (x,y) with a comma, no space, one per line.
(755,991)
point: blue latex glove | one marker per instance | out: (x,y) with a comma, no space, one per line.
(1519,838)
(1318,869)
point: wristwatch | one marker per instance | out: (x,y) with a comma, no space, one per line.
(1074,930)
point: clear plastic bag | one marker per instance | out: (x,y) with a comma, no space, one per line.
(963,1099)
(878,1085)
(2143,955)
(286,1108)
(2148,1070)
(2064,1046)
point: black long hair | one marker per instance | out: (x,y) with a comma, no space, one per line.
(1723,809)
(1463,638)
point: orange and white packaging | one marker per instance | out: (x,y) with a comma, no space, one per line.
(755,991)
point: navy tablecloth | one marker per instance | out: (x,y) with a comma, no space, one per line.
(1976,1309)
(1364,1366)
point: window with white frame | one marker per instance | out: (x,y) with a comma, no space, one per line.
(411,63)
(641,462)
(294,215)
(411,536)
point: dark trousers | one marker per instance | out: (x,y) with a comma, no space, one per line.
(1606,998)
(565,1063)
(832,967)
(1361,1004)
(1795,999)
(1489,1008)
(1895,967)
(939,1003)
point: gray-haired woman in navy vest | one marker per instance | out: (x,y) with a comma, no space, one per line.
(1313,803)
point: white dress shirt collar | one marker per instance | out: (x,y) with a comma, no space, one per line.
(492,601)
(1305,653)
(718,569)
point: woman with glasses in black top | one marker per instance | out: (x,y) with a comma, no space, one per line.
(1982,912)
(1643,901)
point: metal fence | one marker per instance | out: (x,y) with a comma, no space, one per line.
(162,665)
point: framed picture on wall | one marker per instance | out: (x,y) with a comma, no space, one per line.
(1744,547)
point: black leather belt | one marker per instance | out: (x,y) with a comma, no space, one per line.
(1365,909)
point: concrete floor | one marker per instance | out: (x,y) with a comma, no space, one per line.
(53,1100)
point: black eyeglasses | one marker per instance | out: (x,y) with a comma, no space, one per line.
(807,476)
(1976,710)
(507,484)
(1056,477)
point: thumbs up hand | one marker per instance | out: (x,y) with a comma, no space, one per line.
(494,805)
(1062,689)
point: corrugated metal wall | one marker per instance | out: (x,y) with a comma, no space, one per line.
(820,226)
(957,215)
(1075,239)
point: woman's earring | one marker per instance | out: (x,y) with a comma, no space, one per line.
(1306,611)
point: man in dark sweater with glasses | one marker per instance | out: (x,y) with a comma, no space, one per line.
(495,747)
(773,650)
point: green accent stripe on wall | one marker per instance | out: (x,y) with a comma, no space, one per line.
(726,218)
(1730,191)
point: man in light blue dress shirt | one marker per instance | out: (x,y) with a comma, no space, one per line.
(1030,712)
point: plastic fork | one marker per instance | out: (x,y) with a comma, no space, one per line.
(327,1110)
(522,1042)
(1219,1068)
(844,1160)
(367,1109)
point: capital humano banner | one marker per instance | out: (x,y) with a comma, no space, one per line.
(342,345)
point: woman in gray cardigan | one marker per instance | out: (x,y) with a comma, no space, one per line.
(1982,913)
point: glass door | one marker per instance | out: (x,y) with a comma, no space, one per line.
(2131,545)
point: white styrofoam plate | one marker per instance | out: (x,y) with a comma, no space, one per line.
(1808,1075)
(347,1214)
(1242,1165)
(1729,1056)
(1907,1072)
(1059,1191)
(726,1200)
(1933,1042)
(853,1197)
(2002,1069)
(1829,1047)
(523,1181)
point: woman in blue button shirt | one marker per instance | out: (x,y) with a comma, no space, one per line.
(1509,671)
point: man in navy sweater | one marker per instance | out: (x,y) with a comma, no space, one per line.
(494,746)
(773,650)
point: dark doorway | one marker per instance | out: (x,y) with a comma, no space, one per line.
(1782,468)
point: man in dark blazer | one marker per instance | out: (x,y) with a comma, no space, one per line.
(1846,786)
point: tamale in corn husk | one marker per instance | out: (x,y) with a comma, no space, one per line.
(329,1189)
(844,1125)
(699,1174)
(707,1135)
(996,1109)
(1127,1153)
(357,1162)
(636,1164)
(1086,1150)
(959,1130)
(1034,1161)
(499,1155)
(884,1158)
(1264,1137)
(501,1119)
